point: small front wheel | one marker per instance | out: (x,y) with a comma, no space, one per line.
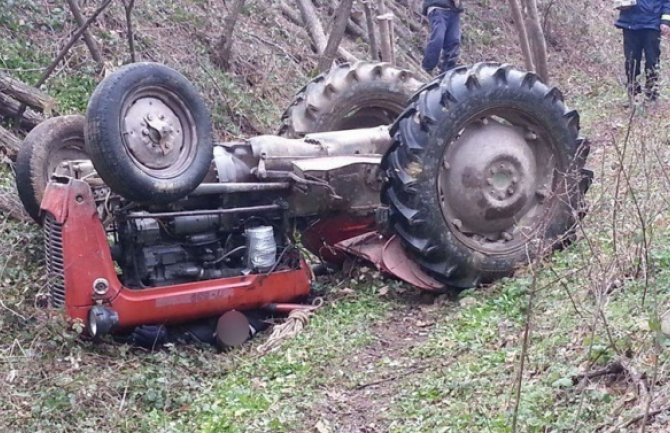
(149,133)
(45,148)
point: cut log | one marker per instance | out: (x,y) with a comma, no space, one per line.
(10,206)
(26,94)
(9,143)
(10,108)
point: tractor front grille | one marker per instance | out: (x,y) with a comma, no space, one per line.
(53,247)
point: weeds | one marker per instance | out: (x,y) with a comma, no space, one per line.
(595,356)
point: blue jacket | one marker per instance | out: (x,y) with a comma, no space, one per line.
(646,15)
(446,4)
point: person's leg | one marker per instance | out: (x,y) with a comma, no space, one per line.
(435,40)
(632,48)
(452,41)
(652,57)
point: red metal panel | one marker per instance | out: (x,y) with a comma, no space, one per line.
(87,258)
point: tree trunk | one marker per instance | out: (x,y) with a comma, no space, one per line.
(339,26)
(384,32)
(9,143)
(374,49)
(26,94)
(315,30)
(128,5)
(523,34)
(92,45)
(224,46)
(538,43)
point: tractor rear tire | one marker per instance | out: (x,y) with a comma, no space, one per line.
(149,133)
(484,174)
(50,143)
(350,96)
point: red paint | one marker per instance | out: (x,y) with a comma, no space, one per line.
(321,237)
(87,257)
(389,256)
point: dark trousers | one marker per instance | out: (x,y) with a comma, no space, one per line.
(444,39)
(635,43)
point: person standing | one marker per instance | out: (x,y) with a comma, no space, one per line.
(642,25)
(444,42)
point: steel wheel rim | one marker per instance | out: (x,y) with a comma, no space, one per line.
(158,132)
(368,116)
(496,179)
(69,149)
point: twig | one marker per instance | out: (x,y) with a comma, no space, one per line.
(71,42)
(392,378)
(272,44)
(613,368)
(636,418)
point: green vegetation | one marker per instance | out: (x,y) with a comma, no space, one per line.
(379,356)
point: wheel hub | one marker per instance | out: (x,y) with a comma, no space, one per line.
(488,180)
(153,133)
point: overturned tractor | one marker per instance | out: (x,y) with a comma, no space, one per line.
(147,220)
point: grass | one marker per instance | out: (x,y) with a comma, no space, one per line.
(379,356)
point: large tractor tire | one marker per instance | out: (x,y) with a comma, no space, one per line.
(49,144)
(350,96)
(484,174)
(149,133)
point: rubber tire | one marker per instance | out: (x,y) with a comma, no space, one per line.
(38,151)
(435,117)
(326,102)
(104,136)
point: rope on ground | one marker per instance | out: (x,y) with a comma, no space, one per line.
(294,324)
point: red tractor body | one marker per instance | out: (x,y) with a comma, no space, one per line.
(79,259)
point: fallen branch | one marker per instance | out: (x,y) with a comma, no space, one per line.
(11,108)
(637,378)
(11,206)
(26,94)
(637,418)
(289,13)
(612,368)
(9,143)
